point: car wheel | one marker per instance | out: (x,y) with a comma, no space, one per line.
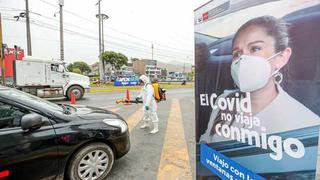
(77,91)
(92,162)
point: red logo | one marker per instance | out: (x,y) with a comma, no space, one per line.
(205,16)
(4,173)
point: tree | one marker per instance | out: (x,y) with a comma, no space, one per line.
(82,66)
(190,75)
(116,60)
(76,70)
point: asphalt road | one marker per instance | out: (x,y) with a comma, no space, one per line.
(167,154)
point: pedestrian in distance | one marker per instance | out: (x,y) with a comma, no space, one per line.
(149,104)
(184,82)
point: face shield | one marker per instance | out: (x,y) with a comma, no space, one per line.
(141,82)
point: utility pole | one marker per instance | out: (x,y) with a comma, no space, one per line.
(102,32)
(2,53)
(28,29)
(103,17)
(61,4)
(100,48)
(184,68)
(103,65)
(152,51)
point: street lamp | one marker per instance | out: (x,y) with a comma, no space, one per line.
(101,17)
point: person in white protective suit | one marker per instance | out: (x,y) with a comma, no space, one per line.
(149,104)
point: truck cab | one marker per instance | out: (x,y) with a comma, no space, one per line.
(48,78)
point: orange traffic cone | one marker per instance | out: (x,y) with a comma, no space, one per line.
(73,98)
(127,98)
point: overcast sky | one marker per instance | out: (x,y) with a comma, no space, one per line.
(131,29)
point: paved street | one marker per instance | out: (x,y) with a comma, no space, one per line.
(167,154)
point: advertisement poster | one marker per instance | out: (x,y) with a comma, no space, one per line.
(126,81)
(257,89)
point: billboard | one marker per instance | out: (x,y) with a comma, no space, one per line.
(9,57)
(257,83)
(126,81)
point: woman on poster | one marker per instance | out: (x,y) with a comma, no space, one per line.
(260,48)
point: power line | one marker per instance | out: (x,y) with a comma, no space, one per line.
(10,9)
(138,44)
(50,4)
(109,36)
(49,26)
(113,29)
(95,44)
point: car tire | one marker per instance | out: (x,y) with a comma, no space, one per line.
(84,163)
(77,90)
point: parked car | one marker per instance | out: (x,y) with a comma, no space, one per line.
(43,140)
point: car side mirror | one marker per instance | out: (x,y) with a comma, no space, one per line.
(31,121)
(61,69)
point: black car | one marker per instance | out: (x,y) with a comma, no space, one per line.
(43,140)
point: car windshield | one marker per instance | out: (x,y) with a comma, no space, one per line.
(33,100)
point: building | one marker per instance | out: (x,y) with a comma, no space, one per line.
(164,74)
(147,67)
(176,76)
(10,55)
(94,69)
(138,66)
(126,71)
(152,71)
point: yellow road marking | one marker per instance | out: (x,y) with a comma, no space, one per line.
(134,119)
(174,163)
(115,109)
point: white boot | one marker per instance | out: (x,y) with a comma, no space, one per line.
(145,120)
(155,128)
(144,125)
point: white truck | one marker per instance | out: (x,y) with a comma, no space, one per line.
(48,78)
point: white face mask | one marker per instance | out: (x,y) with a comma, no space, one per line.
(251,73)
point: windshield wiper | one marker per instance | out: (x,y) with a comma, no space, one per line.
(65,109)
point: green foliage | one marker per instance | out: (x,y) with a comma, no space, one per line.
(116,60)
(82,66)
(76,70)
(190,74)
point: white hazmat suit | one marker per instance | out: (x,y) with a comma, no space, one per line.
(149,105)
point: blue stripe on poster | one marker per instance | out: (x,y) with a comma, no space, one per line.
(224,167)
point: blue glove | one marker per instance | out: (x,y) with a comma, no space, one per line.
(147,108)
